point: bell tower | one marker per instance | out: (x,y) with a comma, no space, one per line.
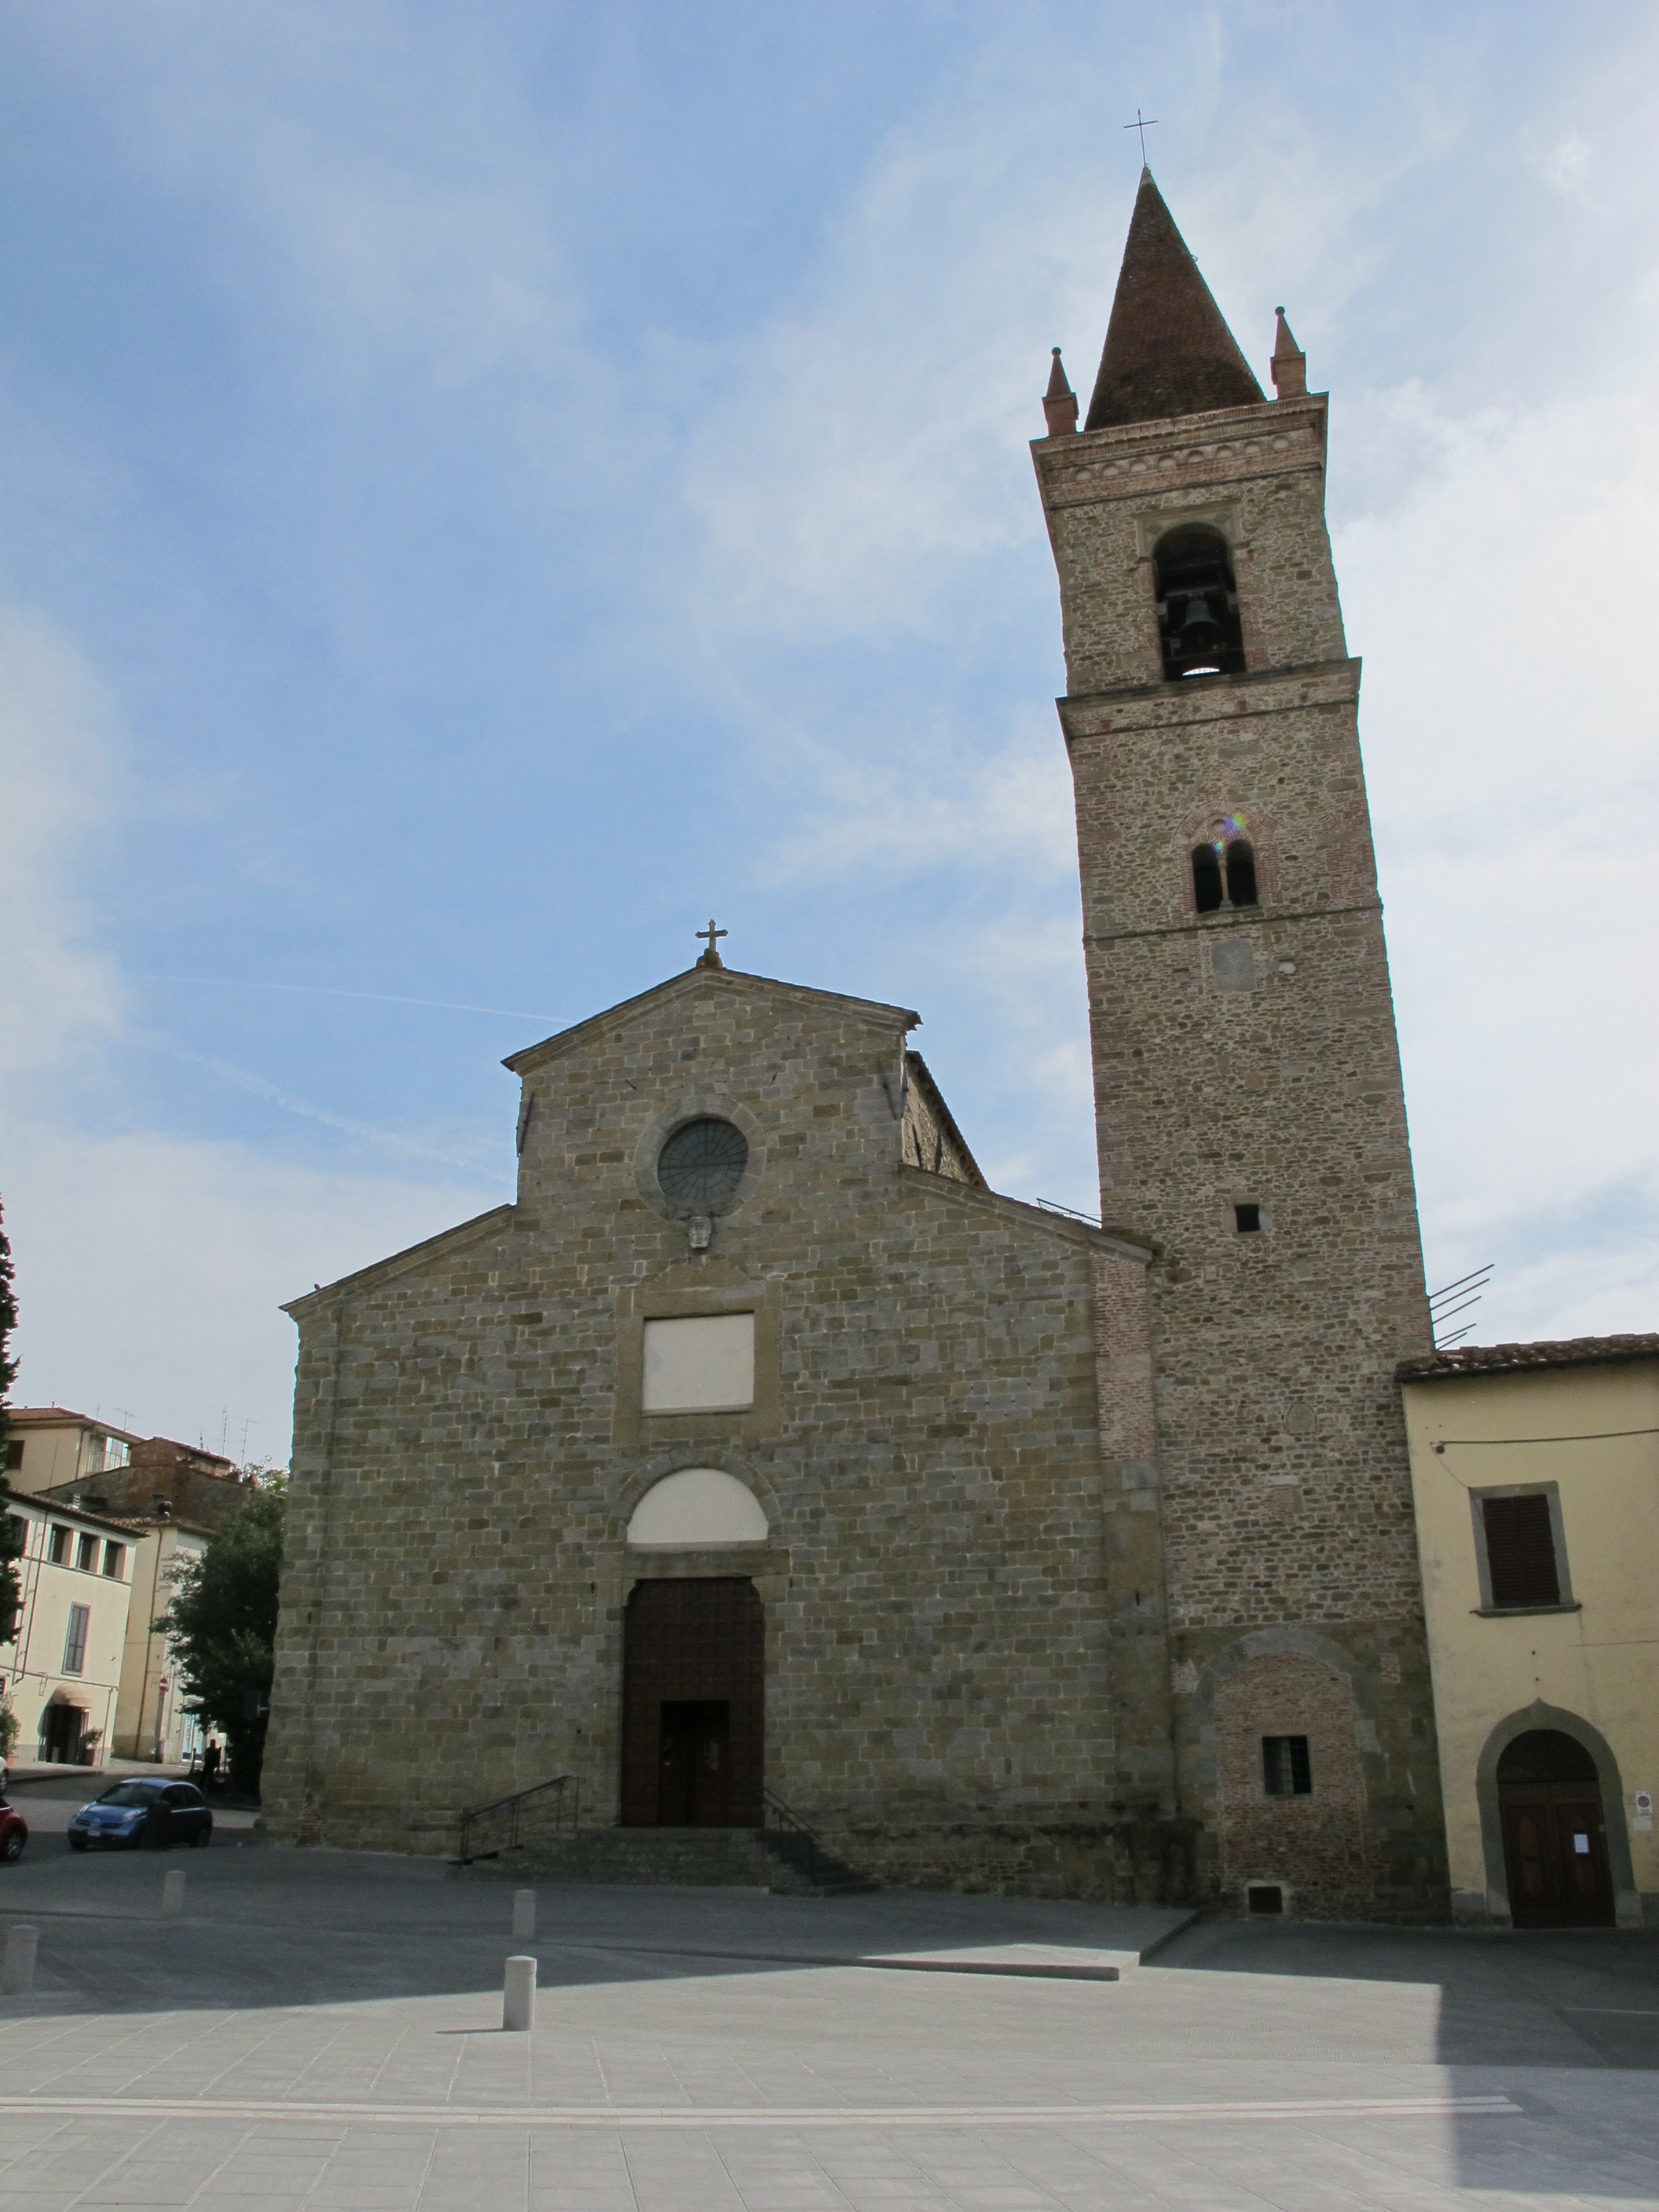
(1250,1110)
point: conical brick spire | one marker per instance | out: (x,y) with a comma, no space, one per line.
(1168,352)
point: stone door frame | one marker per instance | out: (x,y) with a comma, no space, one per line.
(1626,1899)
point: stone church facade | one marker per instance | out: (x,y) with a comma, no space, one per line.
(759,1454)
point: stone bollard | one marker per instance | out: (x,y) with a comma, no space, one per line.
(172,1893)
(523,1915)
(17,1975)
(518,1995)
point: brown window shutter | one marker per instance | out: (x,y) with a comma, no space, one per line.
(1521,1551)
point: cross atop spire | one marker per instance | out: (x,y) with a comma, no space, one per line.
(1142,124)
(711,958)
(1168,352)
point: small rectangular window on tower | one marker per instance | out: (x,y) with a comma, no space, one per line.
(1247,1218)
(1286,1771)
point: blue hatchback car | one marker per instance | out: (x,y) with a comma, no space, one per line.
(138,1811)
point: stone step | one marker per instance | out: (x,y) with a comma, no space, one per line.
(782,1861)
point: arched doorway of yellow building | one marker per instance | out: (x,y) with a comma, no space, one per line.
(1552,1824)
(1555,1841)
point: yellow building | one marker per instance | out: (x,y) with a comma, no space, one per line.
(152,1720)
(167,1498)
(50,1446)
(1535,1474)
(60,1658)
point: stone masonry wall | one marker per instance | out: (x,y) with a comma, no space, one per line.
(1249,1057)
(928,1451)
(1256,473)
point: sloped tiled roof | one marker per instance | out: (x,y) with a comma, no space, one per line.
(1168,349)
(1516,1358)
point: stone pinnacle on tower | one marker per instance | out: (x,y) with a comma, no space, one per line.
(1168,350)
(1059,401)
(1290,363)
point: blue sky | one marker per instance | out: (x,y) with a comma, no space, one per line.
(484,488)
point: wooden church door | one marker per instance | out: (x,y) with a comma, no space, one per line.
(693,1704)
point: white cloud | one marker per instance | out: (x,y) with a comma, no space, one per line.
(150,1266)
(151,1270)
(1565,165)
(1509,725)
(58,770)
(918,809)
(870,440)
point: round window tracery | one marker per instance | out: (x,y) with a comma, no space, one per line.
(699,1169)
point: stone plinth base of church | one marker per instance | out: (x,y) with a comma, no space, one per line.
(716,1858)
(1131,1861)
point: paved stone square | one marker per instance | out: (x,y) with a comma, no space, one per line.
(320,2032)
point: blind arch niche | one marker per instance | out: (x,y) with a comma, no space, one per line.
(695,1509)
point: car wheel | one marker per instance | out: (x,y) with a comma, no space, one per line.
(12,1848)
(77,1843)
(202,1834)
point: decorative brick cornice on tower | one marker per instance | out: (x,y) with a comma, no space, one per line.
(1168,349)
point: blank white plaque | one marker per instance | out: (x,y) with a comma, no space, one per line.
(704,1364)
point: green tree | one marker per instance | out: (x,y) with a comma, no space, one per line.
(11,1589)
(222,1620)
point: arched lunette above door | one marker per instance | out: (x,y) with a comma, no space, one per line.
(696,1507)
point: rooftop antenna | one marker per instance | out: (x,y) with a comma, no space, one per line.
(1444,1305)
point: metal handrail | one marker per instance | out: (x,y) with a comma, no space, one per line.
(1053,1205)
(561,1794)
(779,1815)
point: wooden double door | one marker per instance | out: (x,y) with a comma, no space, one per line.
(694,1671)
(1555,1842)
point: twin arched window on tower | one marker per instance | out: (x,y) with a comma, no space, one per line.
(1224,868)
(1198,616)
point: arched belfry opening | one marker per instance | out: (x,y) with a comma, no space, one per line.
(1198,618)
